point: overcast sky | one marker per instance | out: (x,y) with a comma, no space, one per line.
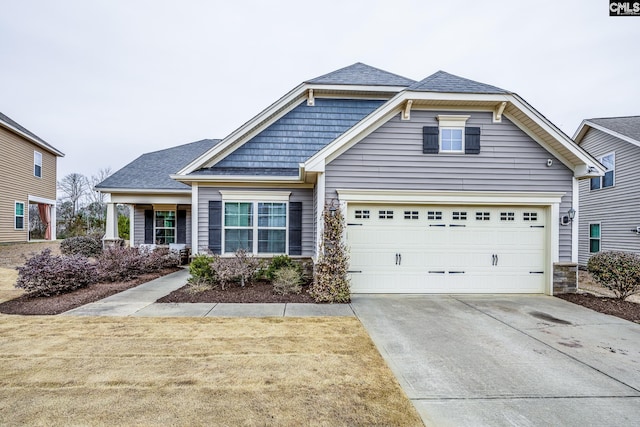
(105,81)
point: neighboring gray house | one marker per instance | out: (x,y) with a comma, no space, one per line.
(609,214)
(447,184)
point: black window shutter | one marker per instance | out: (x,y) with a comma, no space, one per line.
(181,232)
(472,140)
(215,227)
(430,144)
(295,228)
(148,226)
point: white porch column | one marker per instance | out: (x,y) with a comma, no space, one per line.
(53,220)
(111,232)
(132,225)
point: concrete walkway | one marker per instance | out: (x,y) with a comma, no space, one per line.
(141,301)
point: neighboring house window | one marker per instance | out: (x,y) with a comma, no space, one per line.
(594,238)
(258,227)
(608,180)
(19,216)
(165,227)
(37,164)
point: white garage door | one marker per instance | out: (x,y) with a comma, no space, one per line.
(442,249)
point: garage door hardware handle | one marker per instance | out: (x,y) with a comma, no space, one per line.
(437,272)
(457,225)
(354,271)
(456,272)
(352,224)
(437,225)
(536,226)
(494,259)
(398,259)
(536,272)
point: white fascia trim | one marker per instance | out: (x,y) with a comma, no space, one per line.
(142,199)
(575,224)
(237,178)
(556,133)
(31,139)
(586,123)
(486,198)
(262,196)
(141,191)
(41,200)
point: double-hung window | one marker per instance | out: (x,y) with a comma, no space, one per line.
(165,227)
(257,227)
(19,216)
(608,180)
(451,140)
(37,164)
(594,238)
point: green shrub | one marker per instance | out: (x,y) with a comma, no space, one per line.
(47,275)
(200,269)
(287,280)
(617,271)
(81,245)
(330,281)
(278,262)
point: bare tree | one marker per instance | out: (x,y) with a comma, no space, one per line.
(93,194)
(74,186)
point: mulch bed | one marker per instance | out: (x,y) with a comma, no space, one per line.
(258,292)
(26,305)
(615,307)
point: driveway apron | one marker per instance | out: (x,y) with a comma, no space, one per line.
(512,360)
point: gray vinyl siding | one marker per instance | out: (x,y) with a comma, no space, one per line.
(304,195)
(391,158)
(138,229)
(616,208)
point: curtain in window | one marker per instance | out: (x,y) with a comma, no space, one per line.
(45,216)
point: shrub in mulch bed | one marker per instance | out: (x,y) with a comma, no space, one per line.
(256,292)
(624,309)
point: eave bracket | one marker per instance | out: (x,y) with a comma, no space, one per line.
(406,113)
(497,113)
(310,99)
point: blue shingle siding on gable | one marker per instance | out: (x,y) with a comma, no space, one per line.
(298,135)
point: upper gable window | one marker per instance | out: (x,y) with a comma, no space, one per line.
(37,164)
(608,180)
(451,136)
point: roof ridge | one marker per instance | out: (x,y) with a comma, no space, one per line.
(442,81)
(364,75)
(614,117)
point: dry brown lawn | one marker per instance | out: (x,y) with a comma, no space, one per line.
(196,371)
(8,277)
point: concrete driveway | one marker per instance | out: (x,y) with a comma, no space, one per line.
(511,360)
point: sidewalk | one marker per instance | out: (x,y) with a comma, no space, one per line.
(141,301)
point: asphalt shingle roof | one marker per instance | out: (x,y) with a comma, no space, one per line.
(362,74)
(24,130)
(151,170)
(445,82)
(627,126)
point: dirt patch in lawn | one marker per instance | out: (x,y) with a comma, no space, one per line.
(259,292)
(195,371)
(15,254)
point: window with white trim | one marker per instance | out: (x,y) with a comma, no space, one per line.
(165,227)
(451,133)
(37,164)
(19,216)
(594,238)
(257,227)
(608,180)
